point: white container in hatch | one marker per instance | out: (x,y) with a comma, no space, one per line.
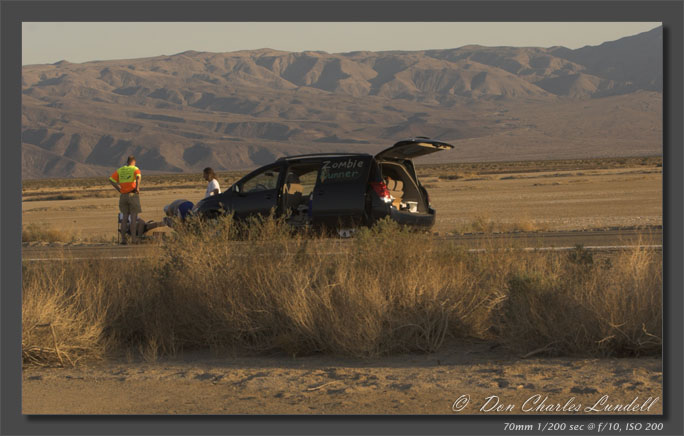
(412,206)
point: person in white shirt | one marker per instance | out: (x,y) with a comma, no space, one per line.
(213,188)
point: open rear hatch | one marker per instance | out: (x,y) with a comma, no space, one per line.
(412,148)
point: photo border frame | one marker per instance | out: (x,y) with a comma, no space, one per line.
(13,13)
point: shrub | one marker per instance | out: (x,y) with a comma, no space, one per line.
(582,307)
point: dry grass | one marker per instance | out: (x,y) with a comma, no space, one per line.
(454,171)
(69,195)
(176,181)
(99,187)
(260,288)
(581,306)
(63,311)
(448,171)
(34,233)
(37,233)
(484,223)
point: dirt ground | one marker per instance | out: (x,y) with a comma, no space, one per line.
(435,383)
(553,200)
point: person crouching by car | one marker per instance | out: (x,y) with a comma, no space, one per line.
(213,187)
(177,210)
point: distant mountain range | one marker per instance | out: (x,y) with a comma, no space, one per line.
(243,109)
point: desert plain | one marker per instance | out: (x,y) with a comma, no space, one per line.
(473,199)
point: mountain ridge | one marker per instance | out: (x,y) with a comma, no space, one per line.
(241,109)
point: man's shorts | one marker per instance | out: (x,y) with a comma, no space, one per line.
(129,203)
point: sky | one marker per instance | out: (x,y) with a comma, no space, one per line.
(44,43)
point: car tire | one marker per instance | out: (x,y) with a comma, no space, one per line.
(346,232)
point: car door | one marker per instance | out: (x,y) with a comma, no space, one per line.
(339,196)
(258,192)
(412,148)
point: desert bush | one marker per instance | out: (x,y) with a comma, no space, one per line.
(483,223)
(257,286)
(524,225)
(62,313)
(574,305)
(274,292)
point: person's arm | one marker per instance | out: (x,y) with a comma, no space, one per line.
(137,182)
(114,180)
(115,185)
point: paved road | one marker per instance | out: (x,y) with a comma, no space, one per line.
(594,240)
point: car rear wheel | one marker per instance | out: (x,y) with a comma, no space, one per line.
(346,232)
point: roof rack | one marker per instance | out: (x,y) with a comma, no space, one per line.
(300,156)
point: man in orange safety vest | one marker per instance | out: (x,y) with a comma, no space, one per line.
(126,180)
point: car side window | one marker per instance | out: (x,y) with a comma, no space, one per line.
(302,177)
(263,181)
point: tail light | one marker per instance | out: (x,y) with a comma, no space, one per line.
(381,189)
